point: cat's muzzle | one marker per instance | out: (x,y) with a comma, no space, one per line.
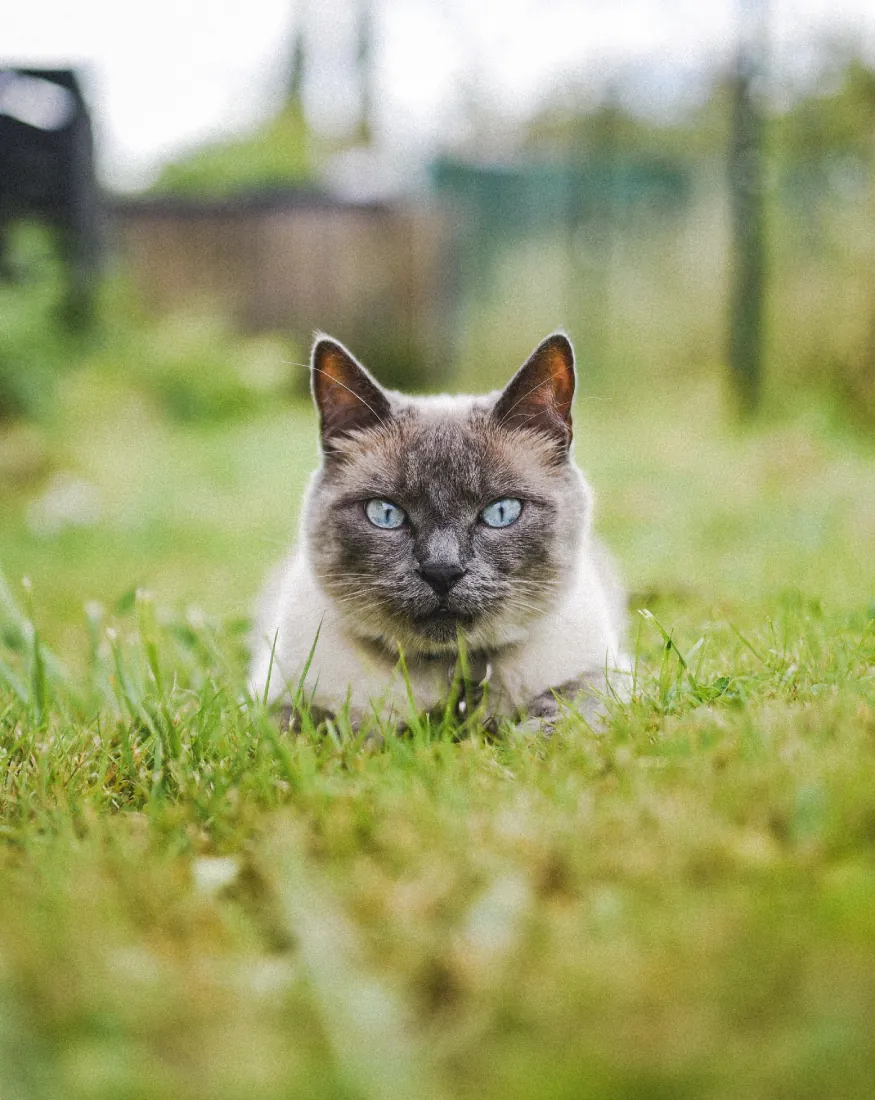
(443,623)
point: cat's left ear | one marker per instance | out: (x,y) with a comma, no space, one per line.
(539,395)
(348,398)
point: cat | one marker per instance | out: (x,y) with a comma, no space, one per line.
(439,522)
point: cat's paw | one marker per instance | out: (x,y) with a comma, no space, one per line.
(537,726)
(373,741)
(287,720)
(578,700)
(543,707)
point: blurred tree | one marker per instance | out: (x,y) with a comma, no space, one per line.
(837,116)
(575,119)
(283,151)
(278,154)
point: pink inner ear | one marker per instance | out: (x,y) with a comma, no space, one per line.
(347,397)
(559,389)
(333,377)
(539,396)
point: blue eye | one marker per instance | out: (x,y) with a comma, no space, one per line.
(502,513)
(385,514)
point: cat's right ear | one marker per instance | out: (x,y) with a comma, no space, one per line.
(347,397)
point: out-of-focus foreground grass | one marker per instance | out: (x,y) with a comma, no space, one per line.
(193,904)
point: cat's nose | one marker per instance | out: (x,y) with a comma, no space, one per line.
(442,576)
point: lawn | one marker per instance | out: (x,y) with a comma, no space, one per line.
(193,904)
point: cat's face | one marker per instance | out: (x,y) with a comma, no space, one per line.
(431,516)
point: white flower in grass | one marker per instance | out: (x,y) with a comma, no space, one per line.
(67,501)
(212,874)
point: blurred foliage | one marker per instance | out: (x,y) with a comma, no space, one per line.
(190,363)
(836,117)
(284,151)
(34,346)
(832,114)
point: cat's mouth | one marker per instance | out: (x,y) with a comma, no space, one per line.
(442,623)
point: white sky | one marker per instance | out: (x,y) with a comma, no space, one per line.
(164,75)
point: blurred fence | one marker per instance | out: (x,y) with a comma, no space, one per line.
(374,275)
(502,202)
(633,256)
(631,253)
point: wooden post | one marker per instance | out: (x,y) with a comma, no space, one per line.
(591,230)
(747,207)
(297,69)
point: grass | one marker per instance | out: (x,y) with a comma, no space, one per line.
(194,904)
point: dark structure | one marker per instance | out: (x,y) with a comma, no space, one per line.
(47,173)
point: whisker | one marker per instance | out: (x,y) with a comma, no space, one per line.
(521,422)
(349,598)
(341,576)
(523,606)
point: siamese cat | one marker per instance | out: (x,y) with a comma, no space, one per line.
(439,524)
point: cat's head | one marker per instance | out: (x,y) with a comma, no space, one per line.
(433,515)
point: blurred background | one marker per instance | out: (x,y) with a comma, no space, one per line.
(187,192)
